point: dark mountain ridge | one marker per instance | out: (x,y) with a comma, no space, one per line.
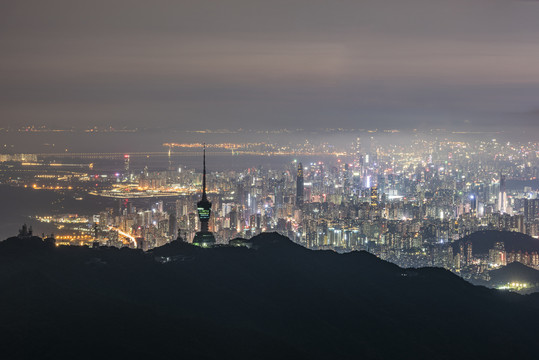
(514,272)
(275,300)
(483,241)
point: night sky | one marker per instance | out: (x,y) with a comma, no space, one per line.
(462,64)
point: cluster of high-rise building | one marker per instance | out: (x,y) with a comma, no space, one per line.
(130,226)
(407,203)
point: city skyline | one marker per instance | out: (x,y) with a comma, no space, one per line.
(414,202)
(269,179)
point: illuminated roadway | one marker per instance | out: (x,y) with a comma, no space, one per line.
(123,233)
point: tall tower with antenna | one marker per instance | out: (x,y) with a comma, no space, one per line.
(204,237)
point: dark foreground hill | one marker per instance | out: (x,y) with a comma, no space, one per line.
(514,272)
(275,301)
(483,241)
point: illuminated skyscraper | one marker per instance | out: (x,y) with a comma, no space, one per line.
(502,195)
(299,186)
(497,255)
(204,237)
(375,210)
(469,254)
(531,209)
(358,158)
(473,204)
(374,196)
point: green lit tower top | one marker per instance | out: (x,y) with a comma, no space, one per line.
(204,237)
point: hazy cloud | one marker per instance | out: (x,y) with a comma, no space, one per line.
(393,63)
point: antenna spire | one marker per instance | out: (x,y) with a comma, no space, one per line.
(204,174)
